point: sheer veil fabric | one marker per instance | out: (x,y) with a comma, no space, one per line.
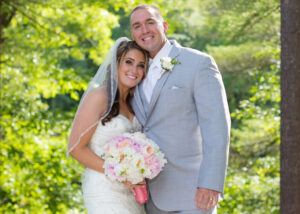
(106,79)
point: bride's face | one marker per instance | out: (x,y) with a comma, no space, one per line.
(131,69)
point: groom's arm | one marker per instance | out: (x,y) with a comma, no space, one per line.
(214,121)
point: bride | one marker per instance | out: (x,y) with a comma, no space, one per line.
(104,112)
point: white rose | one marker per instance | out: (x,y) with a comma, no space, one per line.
(139,135)
(167,64)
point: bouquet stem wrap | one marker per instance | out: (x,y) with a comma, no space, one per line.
(141,194)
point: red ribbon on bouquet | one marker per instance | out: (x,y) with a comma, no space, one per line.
(141,194)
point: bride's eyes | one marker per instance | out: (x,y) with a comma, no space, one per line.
(129,62)
(142,66)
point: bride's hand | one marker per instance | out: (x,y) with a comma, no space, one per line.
(132,186)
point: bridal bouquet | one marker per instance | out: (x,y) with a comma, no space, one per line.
(132,157)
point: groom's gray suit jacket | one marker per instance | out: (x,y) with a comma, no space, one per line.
(188,118)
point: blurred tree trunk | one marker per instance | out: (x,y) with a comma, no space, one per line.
(290,107)
(0,26)
(6,16)
(0,66)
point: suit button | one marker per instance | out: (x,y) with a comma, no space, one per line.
(146,129)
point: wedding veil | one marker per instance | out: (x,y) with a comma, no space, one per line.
(106,76)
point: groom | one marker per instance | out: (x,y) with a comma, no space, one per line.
(183,108)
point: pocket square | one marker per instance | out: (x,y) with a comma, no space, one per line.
(174,87)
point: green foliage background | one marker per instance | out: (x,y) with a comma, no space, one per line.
(51,49)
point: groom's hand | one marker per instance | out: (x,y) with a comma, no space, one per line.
(206,198)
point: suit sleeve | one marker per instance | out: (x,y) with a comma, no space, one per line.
(214,121)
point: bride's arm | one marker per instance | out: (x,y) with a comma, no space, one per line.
(88,114)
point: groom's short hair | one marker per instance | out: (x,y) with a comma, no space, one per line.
(148,6)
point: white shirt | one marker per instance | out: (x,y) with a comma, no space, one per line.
(155,70)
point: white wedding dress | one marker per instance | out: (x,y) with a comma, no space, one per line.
(100,194)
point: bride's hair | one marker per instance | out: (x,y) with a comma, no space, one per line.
(122,50)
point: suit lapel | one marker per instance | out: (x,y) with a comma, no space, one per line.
(160,83)
(138,106)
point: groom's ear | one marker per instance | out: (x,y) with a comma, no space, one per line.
(165,25)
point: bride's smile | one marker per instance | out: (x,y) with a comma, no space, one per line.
(131,69)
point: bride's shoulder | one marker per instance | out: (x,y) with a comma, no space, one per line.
(98,94)
(97,97)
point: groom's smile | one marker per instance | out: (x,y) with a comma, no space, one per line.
(148,30)
(148,38)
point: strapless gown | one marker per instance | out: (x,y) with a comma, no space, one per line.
(100,194)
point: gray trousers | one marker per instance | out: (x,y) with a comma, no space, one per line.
(152,209)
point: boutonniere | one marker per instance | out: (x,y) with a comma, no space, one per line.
(167,64)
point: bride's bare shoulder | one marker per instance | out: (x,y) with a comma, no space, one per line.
(98,97)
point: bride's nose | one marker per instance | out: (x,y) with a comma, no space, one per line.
(134,69)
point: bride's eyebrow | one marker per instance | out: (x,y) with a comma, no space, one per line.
(129,58)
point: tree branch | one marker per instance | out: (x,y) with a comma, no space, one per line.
(32,19)
(254,19)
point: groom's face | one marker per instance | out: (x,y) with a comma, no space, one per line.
(148,30)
